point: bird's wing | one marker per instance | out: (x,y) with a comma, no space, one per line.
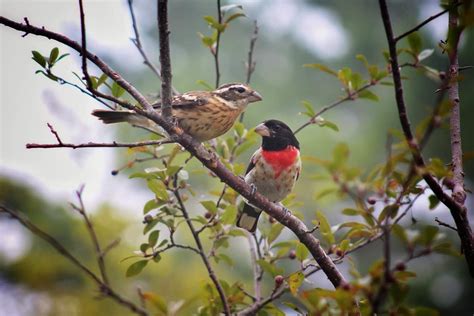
(186,100)
(253,161)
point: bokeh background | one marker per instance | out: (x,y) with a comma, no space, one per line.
(34,280)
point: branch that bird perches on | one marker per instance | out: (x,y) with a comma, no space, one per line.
(207,158)
(458,210)
(105,289)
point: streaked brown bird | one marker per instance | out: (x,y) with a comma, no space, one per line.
(202,114)
(273,169)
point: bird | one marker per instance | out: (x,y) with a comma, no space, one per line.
(273,168)
(202,114)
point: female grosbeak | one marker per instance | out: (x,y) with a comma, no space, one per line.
(202,114)
(273,169)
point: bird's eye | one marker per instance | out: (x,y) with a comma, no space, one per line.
(240,89)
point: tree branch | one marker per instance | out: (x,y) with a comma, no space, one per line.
(428,20)
(104,288)
(207,158)
(250,64)
(165,61)
(218,40)
(458,211)
(84,49)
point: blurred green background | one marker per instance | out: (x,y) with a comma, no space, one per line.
(34,280)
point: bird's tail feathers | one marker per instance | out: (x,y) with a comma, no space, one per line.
(111,117)
(248,218)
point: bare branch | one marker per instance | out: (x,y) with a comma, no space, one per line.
(90,228)
(165,59)
(458,211)
(428,20)
(250,64)
(215,52)
(104,288)
(84,48)
(441,223)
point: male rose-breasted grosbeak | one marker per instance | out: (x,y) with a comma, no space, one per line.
(273,169)
(202,114)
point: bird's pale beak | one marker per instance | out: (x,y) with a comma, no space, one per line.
(254,97)
(262,130)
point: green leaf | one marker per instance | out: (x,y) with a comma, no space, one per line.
(275,231)
(433,201)
(101,80)
(136,268)
(152,204)
(269,268)
(301,251)
(446,248)
(425,54)
(229,215)
(225,258)
(415,42)
(367,94)
(39,58)
(325,228)
(329,124)
(390,210)
(295,280)
(350,212)
(158,187)
(363,60)
(117,91)
(210,206)
(234,16)
(53,55)
(309,108)
(153,238)
(322,68)
(157,258)
(144,247)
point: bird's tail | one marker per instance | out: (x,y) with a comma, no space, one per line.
(248,218)
(111,117)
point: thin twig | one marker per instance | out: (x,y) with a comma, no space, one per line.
(349,97)
(197,239)
(250,64)
(215,53)
(104,288)
(90,228)
(428,20)
(441,223)
(84,48)
(257,277)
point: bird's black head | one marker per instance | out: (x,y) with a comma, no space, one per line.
(276,135)
(238,92)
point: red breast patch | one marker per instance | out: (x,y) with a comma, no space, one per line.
(281,159)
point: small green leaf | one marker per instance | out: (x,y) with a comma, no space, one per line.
(322,68)
(234,16)
(117,91)
(157,187)
(301,251)
(309,108)
(275,231)
(295,280)
(329,124)
(325,228)
(144,247)
(136,268)
(415,42)
(153,238)
(53,55)
(367,94)
(101,80)
(210,206)
(350,212)
(390,210)
(433,201)
(229,215)
(39,58)
(363,60)
(269,268)
(157,257)
(62,56)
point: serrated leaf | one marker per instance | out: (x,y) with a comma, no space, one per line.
(136,268)
(322,68)
(295,280)
(153,238)
(367,94)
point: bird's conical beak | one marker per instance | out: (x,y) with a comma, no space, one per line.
(255,96)
(262,130)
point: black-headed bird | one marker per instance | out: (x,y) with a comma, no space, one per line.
(202,114)
(273,169)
